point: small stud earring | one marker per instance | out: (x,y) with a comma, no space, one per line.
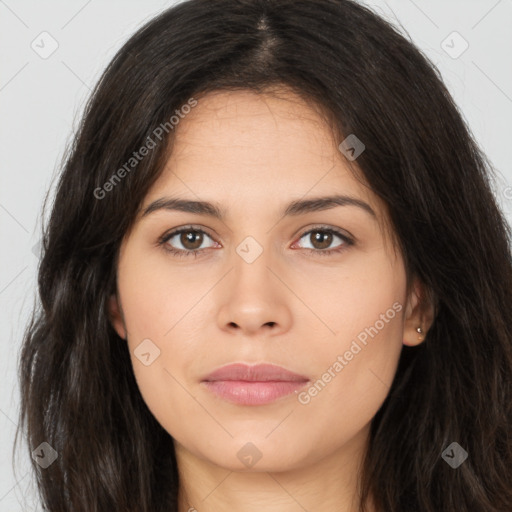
(420,331)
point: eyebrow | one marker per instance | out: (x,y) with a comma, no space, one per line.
(295,208)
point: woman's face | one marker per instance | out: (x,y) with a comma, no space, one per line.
(262,288)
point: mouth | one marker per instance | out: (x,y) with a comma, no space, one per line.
(253,385)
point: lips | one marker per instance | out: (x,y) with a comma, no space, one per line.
(256,373)
(253,385)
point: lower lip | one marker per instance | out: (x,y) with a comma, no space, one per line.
(252,393)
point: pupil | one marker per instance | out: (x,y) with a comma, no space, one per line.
(188,237)
(324,239)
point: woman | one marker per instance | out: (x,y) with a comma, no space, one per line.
(191,353)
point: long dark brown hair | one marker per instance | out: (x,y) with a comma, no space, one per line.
(78,391)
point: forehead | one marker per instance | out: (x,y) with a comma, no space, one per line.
(274,138)
(254,151)
(261,127)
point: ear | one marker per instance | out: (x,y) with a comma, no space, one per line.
(419,312)
(116,316)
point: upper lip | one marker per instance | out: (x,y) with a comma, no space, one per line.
(254,373)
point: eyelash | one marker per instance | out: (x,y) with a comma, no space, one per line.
(162,241)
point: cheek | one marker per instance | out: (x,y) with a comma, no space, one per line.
(367,293)
(354,372)
(356,362)
(162,317)
(159,298)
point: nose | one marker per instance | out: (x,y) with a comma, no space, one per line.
(253,298)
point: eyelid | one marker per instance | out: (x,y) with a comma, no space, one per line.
(187,227)
(324,227)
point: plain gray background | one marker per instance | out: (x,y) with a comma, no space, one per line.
(41,100)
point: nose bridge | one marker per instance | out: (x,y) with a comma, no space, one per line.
(252,260)
(253,296)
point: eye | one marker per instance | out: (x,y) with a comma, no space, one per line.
(189,238)
(321,238)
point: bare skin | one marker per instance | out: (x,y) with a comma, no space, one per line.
(292,306)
